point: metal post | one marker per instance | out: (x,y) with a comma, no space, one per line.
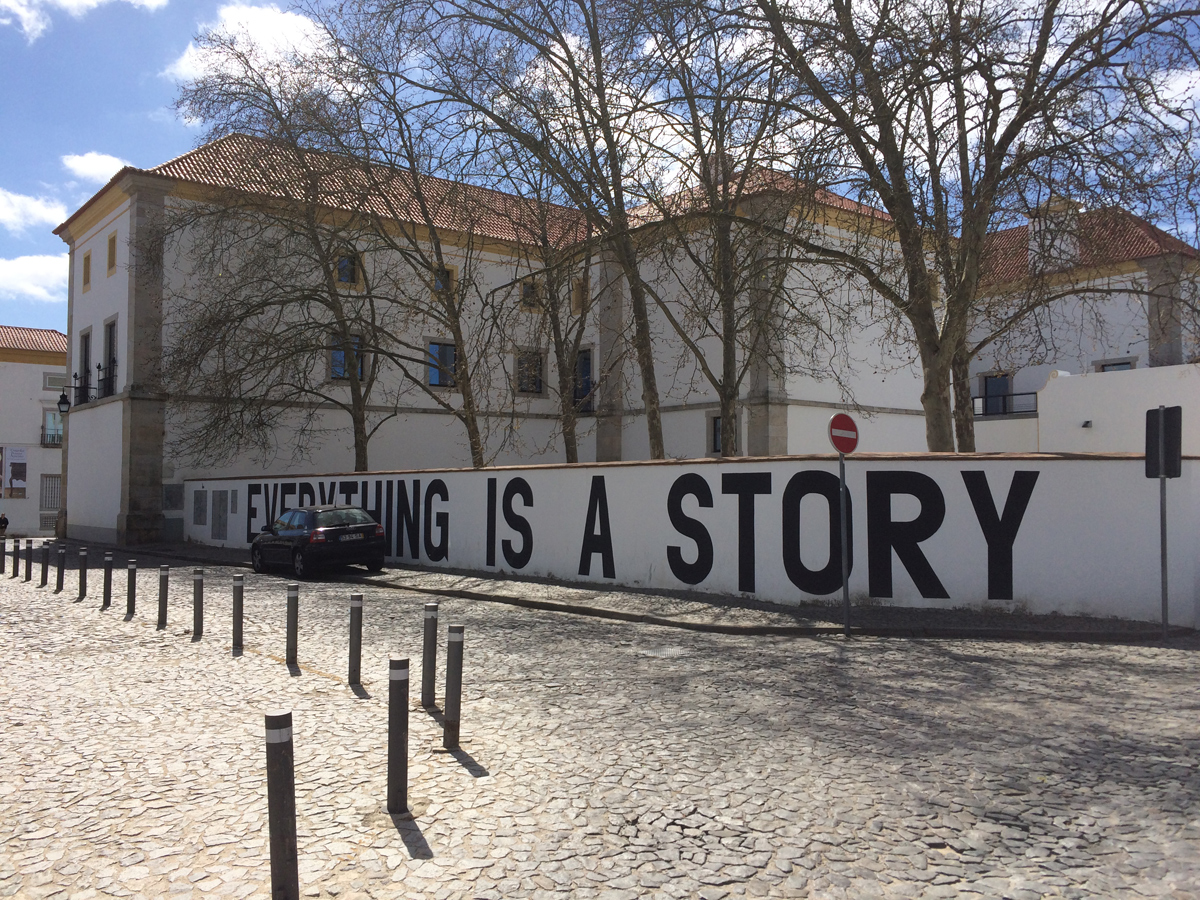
(845,544)
(281,807)
(107,581)
(356,614)
(293,621)
(239,582)
(453,711)
(197,604)
(16,573)
(62,565)
(131,588)
(429,656)
(45,563)
(164,576)
(28,559)
(397,772)
(3,553)
(1162,509)
(82,572)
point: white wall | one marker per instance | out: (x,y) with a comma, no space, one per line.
(94,461)
(23,402)
(1087,543)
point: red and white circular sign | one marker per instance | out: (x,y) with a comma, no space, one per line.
(843,433)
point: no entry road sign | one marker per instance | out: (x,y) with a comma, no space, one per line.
(843,433)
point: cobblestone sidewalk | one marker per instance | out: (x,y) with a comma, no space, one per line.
(601,759)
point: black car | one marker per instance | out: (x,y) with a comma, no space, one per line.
(310,537)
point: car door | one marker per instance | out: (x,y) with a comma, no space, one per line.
(277,546)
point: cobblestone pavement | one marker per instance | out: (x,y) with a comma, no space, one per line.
(601,759)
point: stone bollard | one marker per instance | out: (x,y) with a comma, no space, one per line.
(45,563)
(397,771)
(453,710)
(429,656)
(239,582)
(164,577)
(281,807)
(293,622)
(82,573)
(107,602)
(131,588)
(197,604)
(62,565)
(28,559)
(356,616)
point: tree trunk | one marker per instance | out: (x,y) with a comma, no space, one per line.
(643,347)
(935,401)
(964,413)
(360,441)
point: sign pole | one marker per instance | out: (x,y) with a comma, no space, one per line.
(1162,508)
(845,544)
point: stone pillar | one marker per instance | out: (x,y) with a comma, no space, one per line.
(1163,307)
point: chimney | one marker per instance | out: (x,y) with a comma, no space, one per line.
(1054,236)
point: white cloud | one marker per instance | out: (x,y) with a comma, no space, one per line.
(40,278)
(272,33)
(93,166)
(19,213)
(33,16)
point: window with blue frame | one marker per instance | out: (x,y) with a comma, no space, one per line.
(349,271)
(345,357)
(441,364)
(583,382)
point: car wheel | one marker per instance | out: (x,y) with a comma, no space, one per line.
(256,560)
(300,565)
(375,565)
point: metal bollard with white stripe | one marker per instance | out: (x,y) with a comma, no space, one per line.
(164,577)
(356,616)
(62,565)
(397,772)
(82,573)
(293,621)
(45,563)
(453,709)
(239,582)
(28,559)
(429,656)
(281,807)
(131,587)
(107,602)
(197,604)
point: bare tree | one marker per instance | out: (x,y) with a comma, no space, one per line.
(956,117)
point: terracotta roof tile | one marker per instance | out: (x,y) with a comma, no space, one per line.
(1106,237)
(45,340)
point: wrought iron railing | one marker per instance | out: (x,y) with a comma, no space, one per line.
(1005,405)
(107,379)
(51,438)
(83,391)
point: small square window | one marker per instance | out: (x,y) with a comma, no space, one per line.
(442,357)
(87,270)
(531,300)
(342,358)
(112,253)
(443,279)
(714,443)
(584,385)
(579,295)
(349,270)
(530,364)
(52,381)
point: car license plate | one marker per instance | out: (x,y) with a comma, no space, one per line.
(357,536)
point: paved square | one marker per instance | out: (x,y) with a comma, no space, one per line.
(601,759)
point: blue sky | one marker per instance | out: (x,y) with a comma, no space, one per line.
(89,84)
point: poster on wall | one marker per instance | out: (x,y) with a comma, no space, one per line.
(15,471)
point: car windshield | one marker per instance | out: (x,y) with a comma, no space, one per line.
(329,518)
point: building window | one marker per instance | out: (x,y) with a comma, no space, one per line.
(87,270)
(173,497)
(83,376)
(345,358)
(1115,365)
(444,279)
(530,364)
(441,364)
(349,270)
(996,391)
(49,498)
(106,383)
(584,386)
(52,431)
(579,295)
(531,300)
(112,253)
(714,435)
(53,381)
(199,507)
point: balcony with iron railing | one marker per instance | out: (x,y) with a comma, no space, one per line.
(51,437)
(83,389)
(106,379)
(996,405)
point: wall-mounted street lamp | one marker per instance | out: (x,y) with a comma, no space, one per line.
(63,403)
